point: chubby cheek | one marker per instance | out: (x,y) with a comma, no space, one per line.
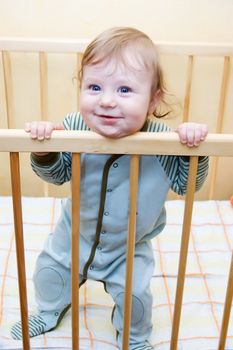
(86,115)
(85,107)
(133,125)
(138,119)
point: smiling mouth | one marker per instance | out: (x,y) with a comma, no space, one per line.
(107,116)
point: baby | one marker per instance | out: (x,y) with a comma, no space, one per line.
(121,88)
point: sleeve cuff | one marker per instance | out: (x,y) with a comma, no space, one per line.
(187,158)
(49,159)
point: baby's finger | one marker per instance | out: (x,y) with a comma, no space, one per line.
(190,136)
(27,127)
(181,130)
(41,131)
(204,132)
(34,130)
(48,130)
(197,136)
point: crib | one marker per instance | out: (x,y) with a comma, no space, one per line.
(218,144)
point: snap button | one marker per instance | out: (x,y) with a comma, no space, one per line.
(99,248)
(56,313)
(103,232)
(115,165)
(109,190)
(106,213)
(91,267)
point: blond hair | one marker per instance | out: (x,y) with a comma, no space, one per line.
(112,44)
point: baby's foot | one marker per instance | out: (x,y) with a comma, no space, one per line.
(38,324)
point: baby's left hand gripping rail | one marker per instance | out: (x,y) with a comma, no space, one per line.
(77,142)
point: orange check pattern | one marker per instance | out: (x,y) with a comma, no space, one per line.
(210,247)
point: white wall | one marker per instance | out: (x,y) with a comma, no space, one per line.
(176,20)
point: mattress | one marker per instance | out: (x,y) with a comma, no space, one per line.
(210,248)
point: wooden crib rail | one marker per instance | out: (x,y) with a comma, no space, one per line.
(54,45)
(19,242)
(17,140)
(75,194)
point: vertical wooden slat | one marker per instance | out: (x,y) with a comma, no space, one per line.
(223,93)
(76,172)
(227,308)
(8,87)
(220,119)
(184,250)
(134,170)
(44,99)
(43,85)
(18,223)
(188,89)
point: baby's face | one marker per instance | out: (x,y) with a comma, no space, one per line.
(115,98)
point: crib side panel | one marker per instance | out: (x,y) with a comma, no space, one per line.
(44,85)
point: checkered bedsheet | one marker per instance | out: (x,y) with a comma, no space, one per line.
(211,244)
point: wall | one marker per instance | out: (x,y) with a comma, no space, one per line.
(182,20)
(164,20)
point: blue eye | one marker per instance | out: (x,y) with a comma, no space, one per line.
(94,87)
(124,89)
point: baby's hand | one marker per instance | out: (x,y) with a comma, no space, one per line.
(40,130)
(192,134)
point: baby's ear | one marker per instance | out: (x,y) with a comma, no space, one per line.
(155,99)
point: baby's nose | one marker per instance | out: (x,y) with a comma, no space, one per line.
(107,100)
